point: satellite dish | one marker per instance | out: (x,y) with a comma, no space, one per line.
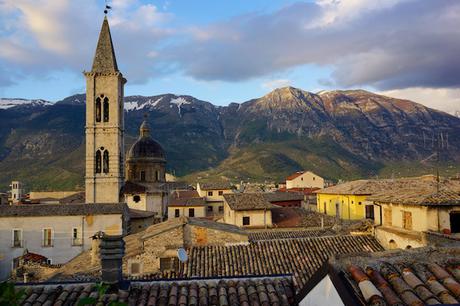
(182,255)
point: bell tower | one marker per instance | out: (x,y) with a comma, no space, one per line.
(104,124)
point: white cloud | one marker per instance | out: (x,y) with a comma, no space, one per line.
(274,84)
(39,37)
(445,99)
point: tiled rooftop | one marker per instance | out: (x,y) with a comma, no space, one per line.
(413,277)
(283,196)
(421,193)
(247,201)
(224,292)
(274,235)
(302,257)
(392,188)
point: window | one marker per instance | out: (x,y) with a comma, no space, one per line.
(370,212)
(76,240)
(455,222)
(246,220)
(17,238)
(157,175)
(142,175)
(221,192)
(407,220)
(191,212)
(98,161)
(210,209)
(301,178)
(136,199)
(135,268)
(387,216)
(209,193)
(314,178)
(106,109)
(106,162)
(176,213)
(98,109)
(221,209)
(169,263)
(47,237)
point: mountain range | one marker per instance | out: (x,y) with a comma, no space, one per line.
(337,134)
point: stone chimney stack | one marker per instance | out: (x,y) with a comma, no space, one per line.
(112,249)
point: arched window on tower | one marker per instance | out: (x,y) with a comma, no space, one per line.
(98,109)
(98,161)
(106,109)
(157,175)
(106,162)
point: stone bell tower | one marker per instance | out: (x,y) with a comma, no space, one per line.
(104,124)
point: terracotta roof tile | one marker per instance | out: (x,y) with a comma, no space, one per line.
(276,290)
(414,277)
(302,257)
(248,201)
(274,235)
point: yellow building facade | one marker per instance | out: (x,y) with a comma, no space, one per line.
(348,201)
(343,206)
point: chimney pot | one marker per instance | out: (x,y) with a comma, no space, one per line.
(112,249)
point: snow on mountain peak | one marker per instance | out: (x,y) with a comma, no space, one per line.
(6,103)
(134,105)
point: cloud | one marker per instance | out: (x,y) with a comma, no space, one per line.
(445,99)
(39,37)
(384,44)
(274,84)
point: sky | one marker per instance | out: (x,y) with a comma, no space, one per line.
(235,50)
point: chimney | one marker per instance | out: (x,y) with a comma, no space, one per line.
(95,242)
(112,249)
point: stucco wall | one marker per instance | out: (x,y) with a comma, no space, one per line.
(51,194)
(324,293)
(306,180)
(424,218)
(200,211)
(215,194)
(391,240)
(351,207)
(258,218)
(62,249)
(148,202)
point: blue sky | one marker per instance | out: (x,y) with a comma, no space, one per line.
(234,50)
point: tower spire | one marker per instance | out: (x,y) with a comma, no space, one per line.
(104,59)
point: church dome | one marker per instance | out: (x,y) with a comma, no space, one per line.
(145,146)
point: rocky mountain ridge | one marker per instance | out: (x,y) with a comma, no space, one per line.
(338,134)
